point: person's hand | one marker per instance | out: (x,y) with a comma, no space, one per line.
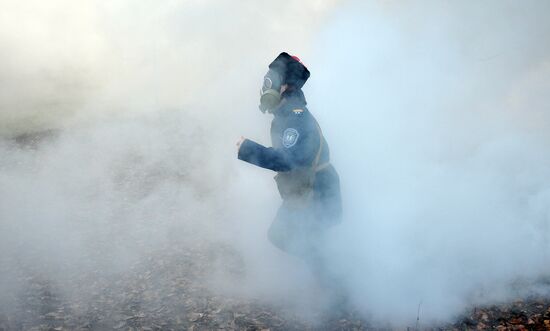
(239,143)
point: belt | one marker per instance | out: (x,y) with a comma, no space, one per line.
(322,166)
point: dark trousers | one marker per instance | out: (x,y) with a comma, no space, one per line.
(297,230)
(300,231)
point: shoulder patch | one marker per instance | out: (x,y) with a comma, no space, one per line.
(290,137)
(298,111)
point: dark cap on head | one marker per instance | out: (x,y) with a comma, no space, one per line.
(294,72)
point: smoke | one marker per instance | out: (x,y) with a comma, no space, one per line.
(438,121)
(60,59)
(118,124)
(125,114)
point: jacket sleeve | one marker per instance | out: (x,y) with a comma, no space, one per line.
(299,149)
(265,157)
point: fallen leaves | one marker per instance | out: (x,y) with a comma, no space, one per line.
(167,291)
(533,314)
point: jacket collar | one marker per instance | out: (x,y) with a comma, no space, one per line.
(291,100)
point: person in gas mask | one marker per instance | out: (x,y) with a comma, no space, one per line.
(307,182)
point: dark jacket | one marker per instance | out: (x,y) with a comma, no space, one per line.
(296,139)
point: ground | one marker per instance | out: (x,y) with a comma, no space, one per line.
(170,291)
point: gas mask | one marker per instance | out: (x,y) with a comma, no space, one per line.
(270,95)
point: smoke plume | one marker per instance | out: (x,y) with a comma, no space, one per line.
(438,121)
(118,123)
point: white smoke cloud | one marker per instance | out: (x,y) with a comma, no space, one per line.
(118,124)
(62,59)
(438,125)
(436,116)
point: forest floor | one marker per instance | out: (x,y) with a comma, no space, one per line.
(170,293)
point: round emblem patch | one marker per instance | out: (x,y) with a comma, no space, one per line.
(290,137)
